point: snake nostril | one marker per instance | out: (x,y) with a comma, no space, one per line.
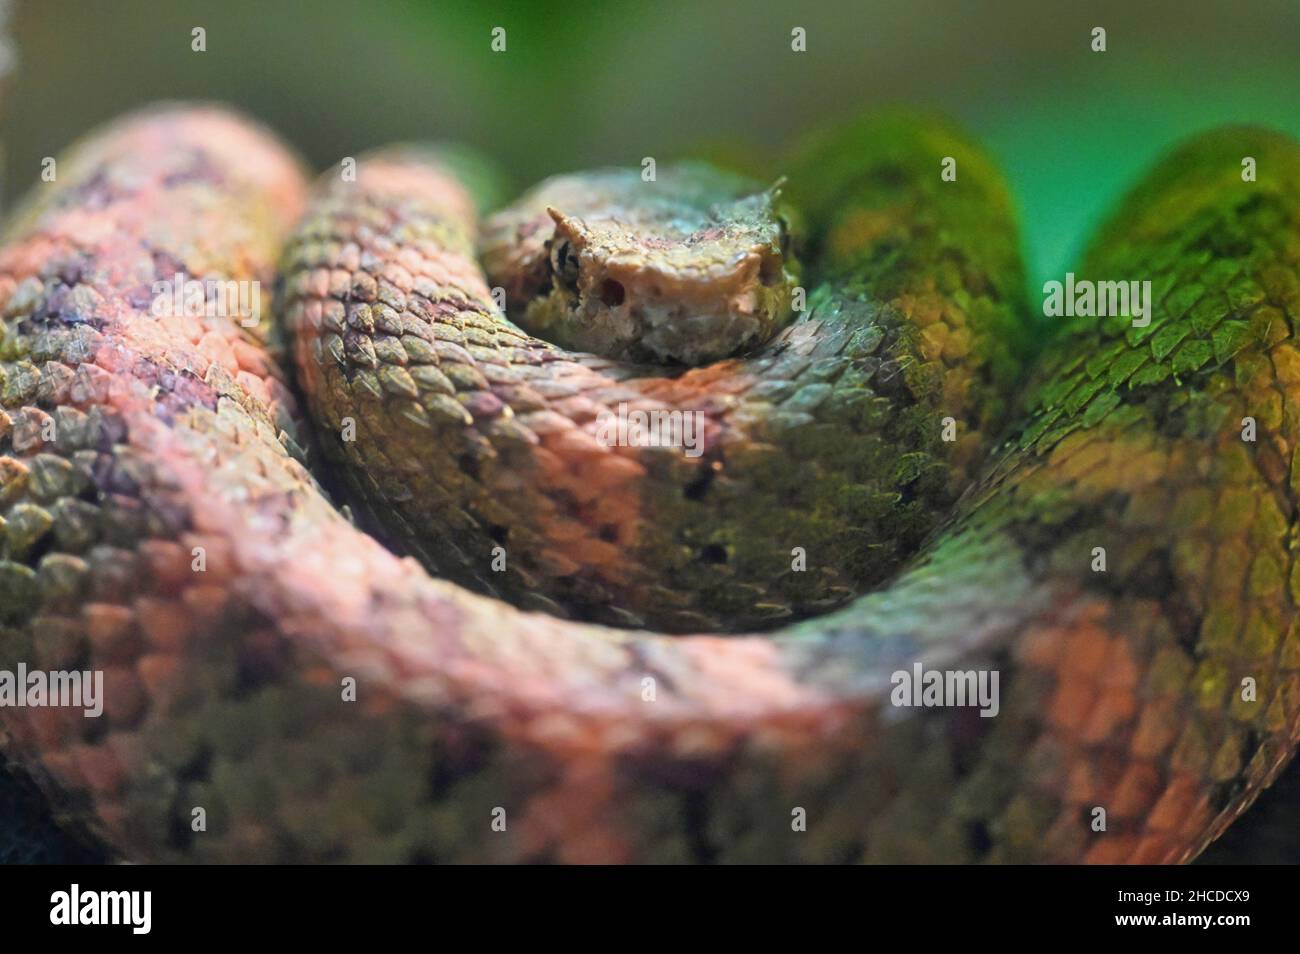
(612,293)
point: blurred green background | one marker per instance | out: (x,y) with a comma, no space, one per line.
(586,82)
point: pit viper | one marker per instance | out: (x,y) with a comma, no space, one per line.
(370,577)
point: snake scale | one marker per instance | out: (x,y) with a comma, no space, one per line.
(565,648)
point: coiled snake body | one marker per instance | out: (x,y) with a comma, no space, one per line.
(321,698)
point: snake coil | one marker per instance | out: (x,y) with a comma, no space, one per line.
(322,698)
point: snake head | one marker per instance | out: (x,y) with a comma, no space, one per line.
(688,269)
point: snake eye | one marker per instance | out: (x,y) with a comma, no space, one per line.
(564,263)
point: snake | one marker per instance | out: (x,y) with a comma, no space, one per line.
(393,571)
